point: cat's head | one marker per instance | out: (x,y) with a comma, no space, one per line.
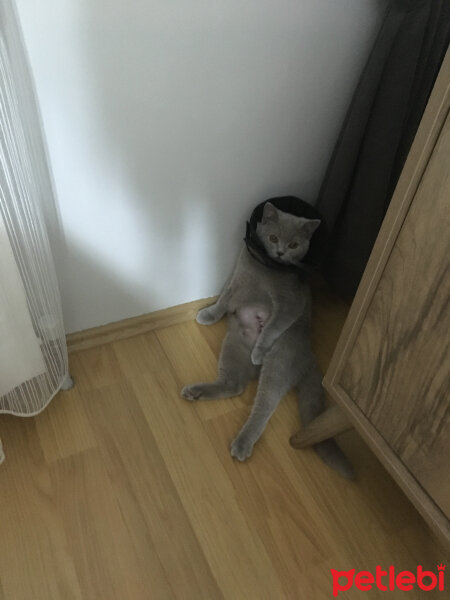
(285,237)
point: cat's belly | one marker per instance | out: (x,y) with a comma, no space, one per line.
(252,319)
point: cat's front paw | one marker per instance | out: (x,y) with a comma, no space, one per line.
(206,316)
(192,392)
(241,448)
(258,354)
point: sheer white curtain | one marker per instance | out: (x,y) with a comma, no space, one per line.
(33,353)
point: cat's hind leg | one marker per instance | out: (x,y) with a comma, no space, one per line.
(235,371)
(274,382)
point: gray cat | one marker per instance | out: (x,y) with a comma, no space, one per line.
(269,315)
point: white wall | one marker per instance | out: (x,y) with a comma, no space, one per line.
(167,121)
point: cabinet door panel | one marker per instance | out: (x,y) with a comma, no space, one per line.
(397,371)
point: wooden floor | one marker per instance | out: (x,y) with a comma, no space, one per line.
(122,490)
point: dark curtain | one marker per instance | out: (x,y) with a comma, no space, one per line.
(377,133)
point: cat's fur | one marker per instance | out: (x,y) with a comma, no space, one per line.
(269,336)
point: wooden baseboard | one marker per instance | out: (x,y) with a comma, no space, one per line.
(119,330)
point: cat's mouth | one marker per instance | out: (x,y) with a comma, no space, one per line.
(279,259)
(283,261)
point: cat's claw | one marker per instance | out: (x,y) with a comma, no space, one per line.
(241,448)
(191,392)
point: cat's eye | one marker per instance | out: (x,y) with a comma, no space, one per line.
(293,245)
(273,238)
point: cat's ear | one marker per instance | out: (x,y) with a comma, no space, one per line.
(270,213)
(310,227)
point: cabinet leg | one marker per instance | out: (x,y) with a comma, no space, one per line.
(328,424)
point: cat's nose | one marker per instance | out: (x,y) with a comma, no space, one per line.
(280,253)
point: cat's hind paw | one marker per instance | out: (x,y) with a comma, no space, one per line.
(192,392)
(241,448)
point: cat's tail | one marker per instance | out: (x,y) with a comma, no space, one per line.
(311,405)
(332,455)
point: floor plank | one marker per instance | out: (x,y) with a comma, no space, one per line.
(35,557)
(56,438)
(103,552)
(151,508)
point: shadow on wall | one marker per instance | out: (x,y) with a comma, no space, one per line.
(170,216)
(123,293)
(176,144)
(117,285)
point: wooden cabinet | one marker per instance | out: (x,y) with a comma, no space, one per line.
(397,367)
(390,373)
